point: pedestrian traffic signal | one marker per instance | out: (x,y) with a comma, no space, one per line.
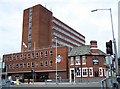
(119,62)
(109,48)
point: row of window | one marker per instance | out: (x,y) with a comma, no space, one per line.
(77,60)
(30,65)
(30,29)
(86,71)
(67,34)
(68,29)
(29,55)
(66,39)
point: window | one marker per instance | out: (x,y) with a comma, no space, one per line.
(77,60)
(28,55)
(46,53)
(21,55)
(33,55)
(83,60)
(41,64)
(17,65)
(37,55)
(100,71)
(46,63)
(10,66)
(24,65)
(72,60)
(32,63)
(13,66)
(24,56)
(84,72)
(91,72)
(36,63)
(17,56)
(28,65)
(21,65)
(78,71)
(41,54)
(51,63)
(51,52)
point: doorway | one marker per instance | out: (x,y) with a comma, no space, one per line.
(96,74)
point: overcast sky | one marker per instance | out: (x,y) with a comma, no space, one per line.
(75,13)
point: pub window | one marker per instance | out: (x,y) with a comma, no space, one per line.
(84,72)
(77,60)
(83,60)
(72,61)
(91,72)
(100,71)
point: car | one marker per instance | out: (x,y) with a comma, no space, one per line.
(15,82)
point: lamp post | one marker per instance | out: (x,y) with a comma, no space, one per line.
(114,41)
(56,60)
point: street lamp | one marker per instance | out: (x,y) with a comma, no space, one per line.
(114,41)
(56,60)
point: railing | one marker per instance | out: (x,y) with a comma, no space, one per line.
(109,83)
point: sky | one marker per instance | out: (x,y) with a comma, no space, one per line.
(75,13)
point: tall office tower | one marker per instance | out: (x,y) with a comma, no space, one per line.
(40,28)
(119,29)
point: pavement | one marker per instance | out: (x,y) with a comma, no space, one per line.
(43,84)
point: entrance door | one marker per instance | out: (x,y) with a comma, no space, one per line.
(72,75)
(96,74)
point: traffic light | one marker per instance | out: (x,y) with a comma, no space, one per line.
(109,48)
(119,62)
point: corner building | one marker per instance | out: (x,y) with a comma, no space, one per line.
(40,28)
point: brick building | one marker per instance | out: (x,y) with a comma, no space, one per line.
(42,61)
(40,28)
(86,62)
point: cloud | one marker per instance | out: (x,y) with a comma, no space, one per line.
(75,13)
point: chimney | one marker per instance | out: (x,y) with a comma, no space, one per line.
(93,47)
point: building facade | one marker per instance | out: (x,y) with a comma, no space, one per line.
(40,28)
(86,62)
(43,62)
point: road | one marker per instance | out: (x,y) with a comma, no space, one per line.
(69,85)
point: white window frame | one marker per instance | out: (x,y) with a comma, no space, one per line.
(83,70)
(91,70)
(72,61)
(78,75)
(77,60)
(100,71)
(83,60)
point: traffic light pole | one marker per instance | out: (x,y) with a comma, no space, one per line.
(115,47)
